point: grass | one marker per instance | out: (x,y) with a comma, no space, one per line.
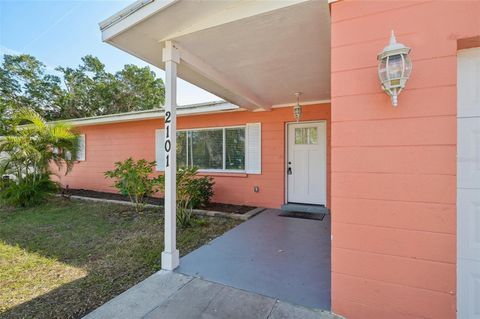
(64,259)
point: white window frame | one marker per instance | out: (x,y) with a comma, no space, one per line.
(223,128)
(82,157)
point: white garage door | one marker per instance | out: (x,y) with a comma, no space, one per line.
(468,184)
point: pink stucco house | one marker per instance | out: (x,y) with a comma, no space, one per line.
(402,183)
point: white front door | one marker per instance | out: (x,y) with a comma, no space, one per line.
(307,163)
(468,184)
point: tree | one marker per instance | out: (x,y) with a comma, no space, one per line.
(92,91)
(139,87)
(24,82)
(31,148)
(87,90)
(34,145)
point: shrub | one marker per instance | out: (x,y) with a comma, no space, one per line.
(192,192)
(204,191)
(28,191)
(4,182)
(184,216)
(133,179)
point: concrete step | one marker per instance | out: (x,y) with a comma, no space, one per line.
(172,295)
(305,208)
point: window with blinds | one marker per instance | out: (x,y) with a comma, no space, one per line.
(234,149)
(215,149)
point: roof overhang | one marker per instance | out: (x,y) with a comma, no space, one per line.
(255,54)
(185,110)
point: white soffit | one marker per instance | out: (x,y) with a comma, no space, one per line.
(255,54)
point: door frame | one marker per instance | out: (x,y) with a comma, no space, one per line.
(463,302)
(285,166)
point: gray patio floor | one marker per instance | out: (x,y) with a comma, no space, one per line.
(282,258)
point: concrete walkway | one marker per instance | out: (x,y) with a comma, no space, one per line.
(171,295)
(279,257)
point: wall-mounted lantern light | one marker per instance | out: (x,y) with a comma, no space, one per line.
(297,109)
(394,68)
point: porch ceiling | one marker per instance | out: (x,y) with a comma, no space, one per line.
(255,54)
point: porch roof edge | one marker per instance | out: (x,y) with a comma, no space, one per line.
(184,110)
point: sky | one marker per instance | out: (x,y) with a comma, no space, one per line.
(60,33)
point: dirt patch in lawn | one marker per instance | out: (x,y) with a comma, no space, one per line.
(219,207)
(65,258)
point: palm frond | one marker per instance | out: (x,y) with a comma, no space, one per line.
(33,141)
(59,131)
(29,118)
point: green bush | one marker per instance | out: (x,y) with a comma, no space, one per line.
(28,192)
(193,191)
(204,191)
(4,183)
(184,217)
(133,179)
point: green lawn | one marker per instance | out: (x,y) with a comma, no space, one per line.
(64,259)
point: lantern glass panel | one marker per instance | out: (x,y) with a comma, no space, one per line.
(408,66)
(382,70)
(395,67)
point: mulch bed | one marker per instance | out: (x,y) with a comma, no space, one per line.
(219,207)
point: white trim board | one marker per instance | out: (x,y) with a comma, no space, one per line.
(193,109)
(468,183)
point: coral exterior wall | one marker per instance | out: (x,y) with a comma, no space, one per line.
(113,142)
(394,169)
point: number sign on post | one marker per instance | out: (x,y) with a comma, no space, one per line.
(168,142)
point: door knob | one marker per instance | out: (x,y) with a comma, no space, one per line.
(289,171)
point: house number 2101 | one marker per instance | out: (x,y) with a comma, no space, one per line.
(168,143)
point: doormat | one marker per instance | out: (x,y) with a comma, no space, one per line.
(314,216)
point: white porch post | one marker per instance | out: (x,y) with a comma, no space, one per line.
(170,255)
